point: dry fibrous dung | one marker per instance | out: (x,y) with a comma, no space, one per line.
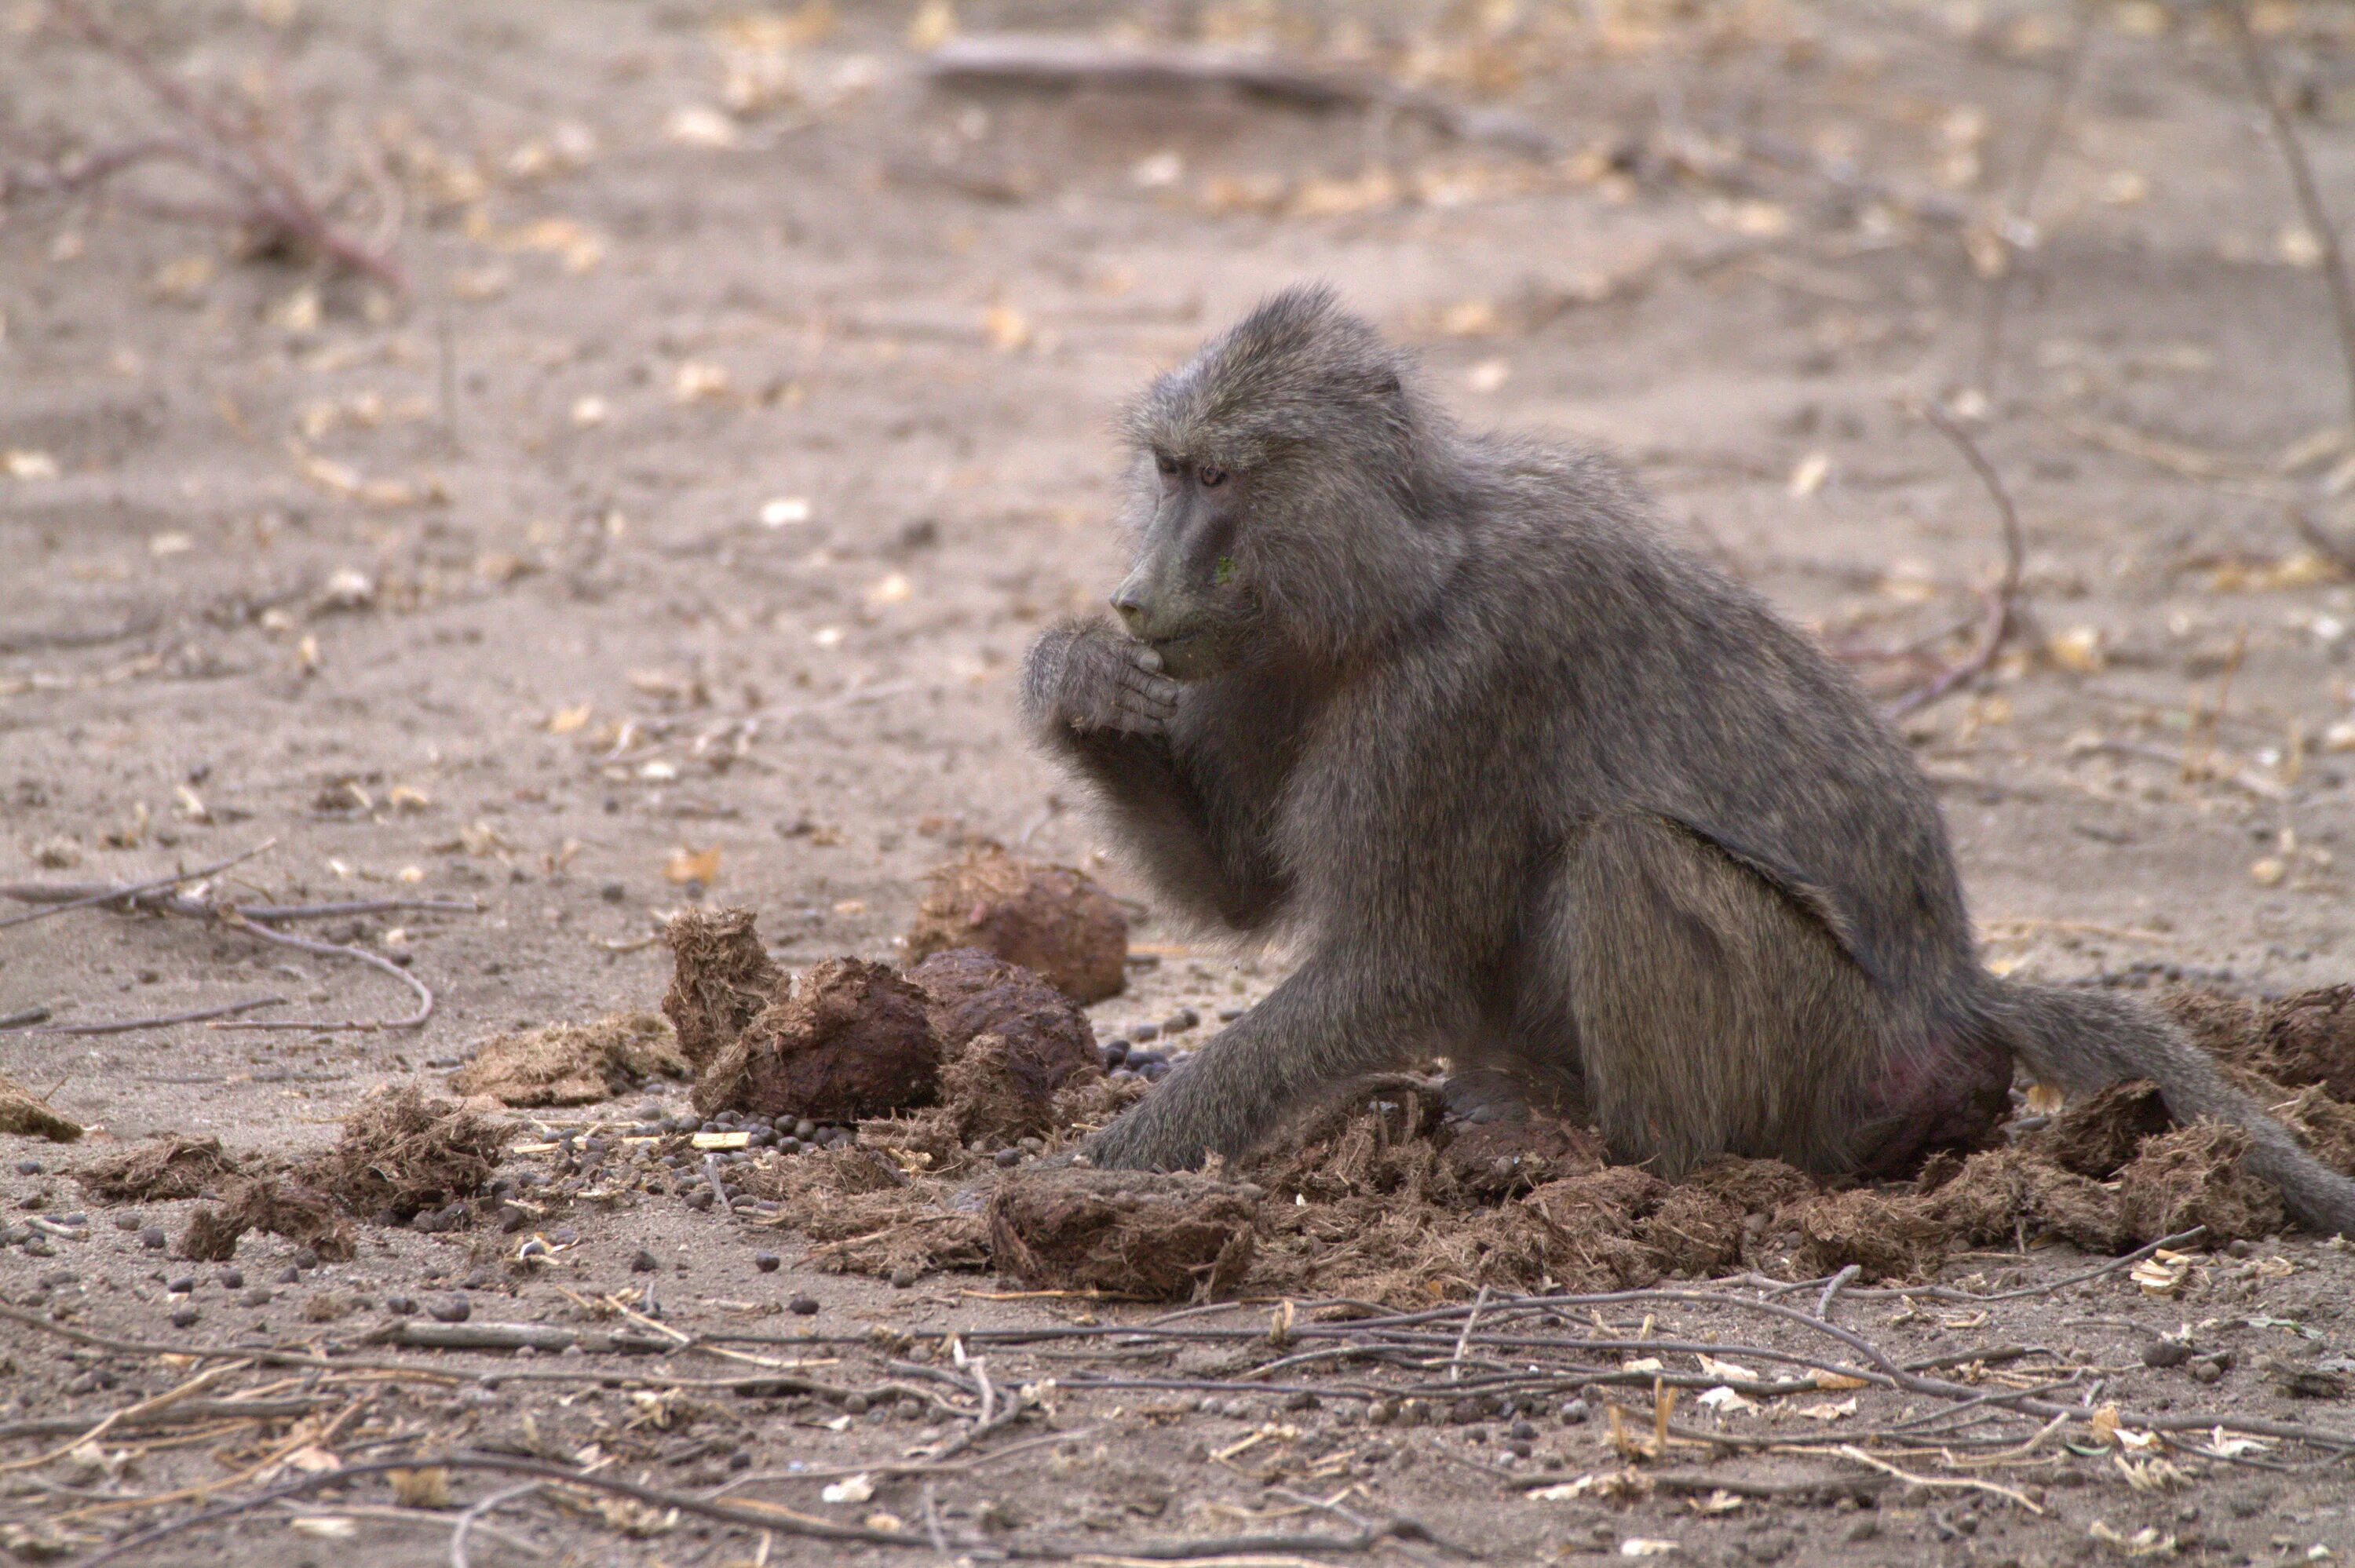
(574,1064)
(23,1115)
(158,1169)
(1012,1043)
(720,979)
(1123,1233)
(301,1214)
(402,1152)
(851,1040)
(1388,1200)
(1049,918)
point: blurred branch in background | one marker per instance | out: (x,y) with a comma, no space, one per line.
(263,193)
(1067,61)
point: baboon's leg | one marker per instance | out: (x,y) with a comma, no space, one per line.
(1710,1013)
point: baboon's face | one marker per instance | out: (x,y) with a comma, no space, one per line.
(1186,596)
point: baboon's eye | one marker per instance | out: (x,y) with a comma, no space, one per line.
(1211,478)
(1166,463)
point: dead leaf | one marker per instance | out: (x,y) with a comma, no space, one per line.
(687,865)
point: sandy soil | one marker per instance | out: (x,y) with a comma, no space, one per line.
(749,408)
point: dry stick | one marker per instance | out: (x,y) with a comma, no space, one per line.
(1063,60)
(467,1521)
(132,890)
(2003,607)
(2301,180)
(162,901)
(2023,202)
(1944,1483)
(1838,1283)
(162,1021)
(197,1384)
(745,1515)
(1456,1363)
(332,949)
(184,1413)
(272,194)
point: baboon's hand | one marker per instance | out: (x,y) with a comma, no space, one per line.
(1085,676)
(1170,1129)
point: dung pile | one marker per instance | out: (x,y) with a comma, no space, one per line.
(1156,1236)
(1392,1200)
(287,1208)
(23,1115)
(721,977)
(1049,918)
(574,1064)
(849,1039)
(401,1156)
(160,1170)
(1012,1042)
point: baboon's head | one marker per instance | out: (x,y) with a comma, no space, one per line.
(1292,490)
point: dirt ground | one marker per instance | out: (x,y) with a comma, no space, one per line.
(675,535)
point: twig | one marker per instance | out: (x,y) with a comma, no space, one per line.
(206,906)
(2301,180)
(269,197)
(2016,230)
(181,1413)
(1944,1483)
(2003,601)
(2338,553)
(1058,61)
(161,1021)
(1838,1283)
(24,1018)
(132,890)
(197,1384)
(1456,1361)
(27,641)
(747,1515)
(333,949)
(468,1519)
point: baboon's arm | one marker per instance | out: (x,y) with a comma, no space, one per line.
(1336,1018)
(1219,869)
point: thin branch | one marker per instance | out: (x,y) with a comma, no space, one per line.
(2301,180)
(133,890)
(333,949)
(474,1515)
(162,1021)
(2016,232)
(1064,61)
(274,197)
(745,1515)
(209,907)
(2002,602)
(1838,1283)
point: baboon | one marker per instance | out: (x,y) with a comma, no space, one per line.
(1534,790)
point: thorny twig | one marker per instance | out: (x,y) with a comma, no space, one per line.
(267,196)
(2002,601)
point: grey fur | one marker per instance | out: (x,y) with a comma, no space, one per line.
(1536,791)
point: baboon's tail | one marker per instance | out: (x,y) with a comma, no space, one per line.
(2081,1040)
